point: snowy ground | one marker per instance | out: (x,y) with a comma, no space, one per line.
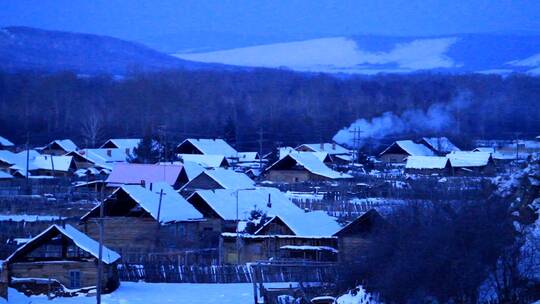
(158,293)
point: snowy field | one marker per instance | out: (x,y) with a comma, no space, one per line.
(148,293)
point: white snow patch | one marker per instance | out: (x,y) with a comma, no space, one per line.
(335,54)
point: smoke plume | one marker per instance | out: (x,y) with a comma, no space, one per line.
(437,118)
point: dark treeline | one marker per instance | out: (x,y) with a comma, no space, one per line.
(289,107)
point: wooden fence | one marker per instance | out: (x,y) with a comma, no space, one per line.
(172,273)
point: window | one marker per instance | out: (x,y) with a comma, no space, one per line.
(74,279)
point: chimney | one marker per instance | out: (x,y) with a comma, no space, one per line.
(143,183)
(127,151)
(150,186)
(109,153)
(322,146)
(333,145)
(269,204)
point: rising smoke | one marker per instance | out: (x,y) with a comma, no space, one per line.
(438,118)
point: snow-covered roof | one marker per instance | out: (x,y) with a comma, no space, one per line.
(4,142)
(212,146)
(484,149)
(426,162)
(274,203)
(131,174)
(66,144)
(309,248)
(440,144)
(103,157)
(248,156)
(468,158)
(5,175)
(19,160)
(330,148)
(122,143)
(312,164)
(206,161)
(7,157)
(48,162)
(284,151)
(174,208)
(80,239)
(411,148)
(230,179)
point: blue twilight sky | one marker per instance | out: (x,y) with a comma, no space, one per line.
(152,21)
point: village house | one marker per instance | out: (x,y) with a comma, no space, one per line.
(354,238)
(440,145)
(5,144)
(472,163)
(288,232)
(152,221)
(102,157)
(58,147)
(301,167)
(399,150)
(428,165)
(145,174)
(63,257)
(51,165)
(128,145)
(207,147)
(219,178)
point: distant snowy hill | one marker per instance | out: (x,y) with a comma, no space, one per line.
(24,48)
(481,53)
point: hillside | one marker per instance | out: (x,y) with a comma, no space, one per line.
(23,48)
(479,53)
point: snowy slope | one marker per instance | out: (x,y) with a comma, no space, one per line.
(482,53)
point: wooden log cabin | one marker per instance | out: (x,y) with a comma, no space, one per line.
(289,232)
(301,167)
(354,238)
(138,226)
(64,257)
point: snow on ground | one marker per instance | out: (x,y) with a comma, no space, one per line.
(158,293)
(336,54)
(357,296)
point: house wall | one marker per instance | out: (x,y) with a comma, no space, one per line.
(202,181)
(288,176)
(351,247)
(136,238)
(60,271)
(394,158)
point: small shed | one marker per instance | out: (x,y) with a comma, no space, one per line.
(65,257)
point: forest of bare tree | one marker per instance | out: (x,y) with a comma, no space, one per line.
(288,107)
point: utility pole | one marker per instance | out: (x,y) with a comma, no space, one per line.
(356,144)
(27,160)
(159,215)
(261,136)
(100,254)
